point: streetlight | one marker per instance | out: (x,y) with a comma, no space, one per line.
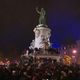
(74,51)
(74,55)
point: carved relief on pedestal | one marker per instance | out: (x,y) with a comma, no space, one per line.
(37,33)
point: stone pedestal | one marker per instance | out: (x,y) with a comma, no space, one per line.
(42,36)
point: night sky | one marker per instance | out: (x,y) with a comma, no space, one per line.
(18,18)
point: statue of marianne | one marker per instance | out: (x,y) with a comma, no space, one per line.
(42,13)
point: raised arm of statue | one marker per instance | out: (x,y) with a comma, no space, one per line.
(38,10)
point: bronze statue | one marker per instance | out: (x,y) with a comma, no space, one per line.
(42,13)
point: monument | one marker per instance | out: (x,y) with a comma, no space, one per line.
(42,32)
(40,47)
(41,41)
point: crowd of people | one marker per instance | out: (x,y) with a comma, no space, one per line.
(39,69)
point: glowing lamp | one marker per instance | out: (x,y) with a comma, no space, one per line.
(74,51)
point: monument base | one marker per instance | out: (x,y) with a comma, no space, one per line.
(47,55)
(41,25)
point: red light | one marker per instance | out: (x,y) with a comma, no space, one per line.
(74,51)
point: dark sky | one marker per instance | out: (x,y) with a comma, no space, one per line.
(18,19)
